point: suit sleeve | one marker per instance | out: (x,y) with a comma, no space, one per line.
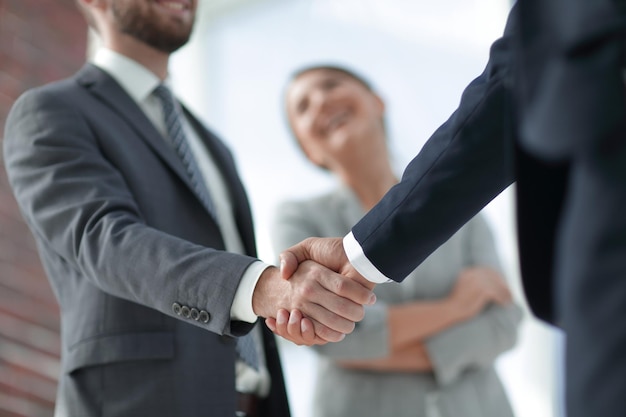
(461,168)
(475,343)
(84,217)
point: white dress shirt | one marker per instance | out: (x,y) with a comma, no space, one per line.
(359,261)
(139,83)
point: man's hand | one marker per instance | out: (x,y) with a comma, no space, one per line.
(295,325)
(331,302)
(326,251)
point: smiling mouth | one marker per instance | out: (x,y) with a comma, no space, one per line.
(175,6)
(335,121)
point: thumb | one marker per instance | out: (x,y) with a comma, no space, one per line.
(326,251)
(288,263)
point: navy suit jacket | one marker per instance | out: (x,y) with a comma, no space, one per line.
(549,113)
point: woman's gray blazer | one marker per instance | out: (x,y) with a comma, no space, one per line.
(463,383)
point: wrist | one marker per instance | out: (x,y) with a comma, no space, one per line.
(261,297)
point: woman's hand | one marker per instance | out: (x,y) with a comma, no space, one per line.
(475,288)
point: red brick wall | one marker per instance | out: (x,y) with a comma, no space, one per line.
(40,41)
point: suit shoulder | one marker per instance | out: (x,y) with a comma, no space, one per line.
(317,203)
(52,88)
(329,209)
(50,94)
(36,108)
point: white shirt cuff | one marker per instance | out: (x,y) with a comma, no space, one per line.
(242,303)
(360,262)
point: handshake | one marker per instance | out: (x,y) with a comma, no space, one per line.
(316,296)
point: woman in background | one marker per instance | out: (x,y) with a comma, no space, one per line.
(428,346)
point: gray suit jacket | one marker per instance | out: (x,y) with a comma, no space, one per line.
(123,239)
(464,382)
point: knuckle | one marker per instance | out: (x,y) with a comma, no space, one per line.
(314,272)
(340,286)
(307,290)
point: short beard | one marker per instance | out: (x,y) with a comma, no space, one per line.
(132,22)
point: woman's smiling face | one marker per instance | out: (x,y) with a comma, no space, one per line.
(330,112)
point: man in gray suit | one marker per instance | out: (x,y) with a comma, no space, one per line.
(146,235)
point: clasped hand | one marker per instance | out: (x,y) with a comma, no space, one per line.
(316,296)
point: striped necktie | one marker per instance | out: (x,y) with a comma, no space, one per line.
(176,135)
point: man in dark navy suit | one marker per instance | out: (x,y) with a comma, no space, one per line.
(548,113)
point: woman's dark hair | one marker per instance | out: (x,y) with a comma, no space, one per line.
(332,68)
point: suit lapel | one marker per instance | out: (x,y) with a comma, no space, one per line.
(107,90)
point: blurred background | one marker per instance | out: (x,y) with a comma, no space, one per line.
(418,54)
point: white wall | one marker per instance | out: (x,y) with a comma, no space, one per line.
(420,54)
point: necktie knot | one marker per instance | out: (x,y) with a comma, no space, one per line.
(164,94)
(171,113)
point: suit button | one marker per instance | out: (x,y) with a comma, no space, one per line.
(194,313)
(185,312)
(176,308)
(204,317)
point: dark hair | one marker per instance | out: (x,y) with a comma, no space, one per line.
(333,68)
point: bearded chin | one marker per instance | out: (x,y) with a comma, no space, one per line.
(164,41)
(160,37)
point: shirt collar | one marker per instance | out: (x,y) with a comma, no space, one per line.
(135,79)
